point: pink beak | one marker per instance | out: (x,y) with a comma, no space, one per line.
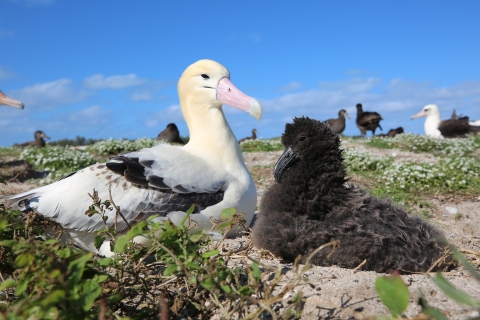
(418,115)
(10,102)
(227,93)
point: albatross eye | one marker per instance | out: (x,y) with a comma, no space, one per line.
(302,139)
(204,76)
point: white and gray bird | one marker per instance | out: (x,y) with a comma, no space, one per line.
(165,179)
(435,127)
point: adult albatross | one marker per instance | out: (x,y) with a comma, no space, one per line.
(165,179)
(450,128)
(4,100)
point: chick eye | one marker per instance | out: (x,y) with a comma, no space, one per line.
(204,76)
(302,139)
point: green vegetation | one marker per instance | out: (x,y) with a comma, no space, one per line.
(180,274)
(421,143)
(10,152)
(395,295)
(78,141)
(114,147)
(262,145)
(408,181)
(57,160)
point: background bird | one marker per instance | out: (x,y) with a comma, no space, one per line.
(311,205)
(4,100)
(252,137)
(450,128)
(367,120)
(338,125)
(392,132)
(39,140)
(170,134)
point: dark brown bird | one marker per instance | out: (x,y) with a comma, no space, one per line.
(338,125)
(4,100)
(39,142)
(310,204)
(170,134)
(253,137)
(392,133)
(454,115)
(367,121)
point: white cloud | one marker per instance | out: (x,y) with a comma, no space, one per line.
(353,85)
(167,115)
(142,95)
(292,86)
(50,95)
(87,115)
(4,73)
(99,81)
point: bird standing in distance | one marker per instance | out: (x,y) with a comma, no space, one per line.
(310,204)
(253,137)
(338,125)
(170,134)
(164,180)
(450,128)
(367,120)
(4,100)
(39,140)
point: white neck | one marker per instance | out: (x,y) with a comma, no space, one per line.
(431,125)
(210,135)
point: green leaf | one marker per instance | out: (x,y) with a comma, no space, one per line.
(226,288)
(122,242)
(453,292)
(21,287)
(99,241)
(105,262)
(8,243)
(76,268)
(7,284)
(228,213)
(208,284)
(192,280)
(210,253)
(429,310)
(245,291)
(3,224)
(170,269)
(394,293)
(53,298)
(90,289)
(256,272)
(24,259)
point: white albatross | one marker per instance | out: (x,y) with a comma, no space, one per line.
(164,179)
(451,128)
(4,100)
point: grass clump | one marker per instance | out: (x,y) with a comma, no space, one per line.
(114,147)
(10,152)
(56,160)
(262,145)
(182,274)
(419,143)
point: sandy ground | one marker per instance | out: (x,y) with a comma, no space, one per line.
(337,293)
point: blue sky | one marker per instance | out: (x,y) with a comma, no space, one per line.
(102,69)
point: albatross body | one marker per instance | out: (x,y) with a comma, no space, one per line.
(170,134)
(164,180)
(338,125)
(367,120)
(4,100)
(39,141)
(450,128)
